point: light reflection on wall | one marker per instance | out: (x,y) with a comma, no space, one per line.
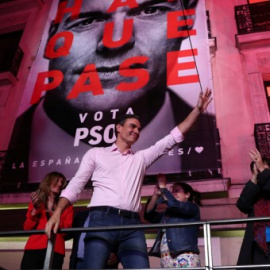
(257,1)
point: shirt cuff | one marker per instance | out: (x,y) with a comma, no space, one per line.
(177,135)
(71,196)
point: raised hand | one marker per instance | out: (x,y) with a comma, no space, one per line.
(157,190)
(162,181)
(35,200)
(204,100)
(255,155)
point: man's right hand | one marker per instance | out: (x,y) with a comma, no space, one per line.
(53,223)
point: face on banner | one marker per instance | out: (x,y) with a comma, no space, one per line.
(107,58)
(126,48)
(106,55)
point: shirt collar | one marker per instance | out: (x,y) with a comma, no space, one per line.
(114,147)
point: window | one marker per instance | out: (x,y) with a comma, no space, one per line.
(267,91)
(10,52)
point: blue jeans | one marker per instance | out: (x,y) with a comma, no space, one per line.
(129,245)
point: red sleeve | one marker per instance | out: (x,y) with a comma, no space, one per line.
(31,221)
(66,219)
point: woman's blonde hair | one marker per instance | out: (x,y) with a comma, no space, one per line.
(44,188)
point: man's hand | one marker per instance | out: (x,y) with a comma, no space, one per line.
(204,100)
(53,223)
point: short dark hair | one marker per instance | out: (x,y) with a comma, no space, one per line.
(122,119)
(195,196)
(266,161)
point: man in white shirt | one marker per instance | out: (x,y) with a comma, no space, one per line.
(117,174)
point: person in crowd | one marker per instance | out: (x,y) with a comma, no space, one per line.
(254,201)
(42,205)
(178,246)
(81,219)
(117,174)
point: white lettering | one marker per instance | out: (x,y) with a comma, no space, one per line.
(98,116)
(51,161)
(68,159)
(180,151)
(83,117)
(94,133)
(42,163)
(59,162)
(21,166)
(107,138)
(35,163)
(129,111)
(114,113)
(81,133)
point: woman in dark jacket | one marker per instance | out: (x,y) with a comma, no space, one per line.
(254,201)
(177,247)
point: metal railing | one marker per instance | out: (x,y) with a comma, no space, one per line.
(206,234)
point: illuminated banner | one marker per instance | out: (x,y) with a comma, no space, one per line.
(100,59)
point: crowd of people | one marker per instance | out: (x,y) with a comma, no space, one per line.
(182,206)
(117,174)
(177,247)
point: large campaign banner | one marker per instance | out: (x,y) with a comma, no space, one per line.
(100,59)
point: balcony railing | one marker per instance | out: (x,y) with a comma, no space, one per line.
(207,227)
(253,17)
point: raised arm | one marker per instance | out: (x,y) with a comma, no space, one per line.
(203,102)
(255,155)
(152,202)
